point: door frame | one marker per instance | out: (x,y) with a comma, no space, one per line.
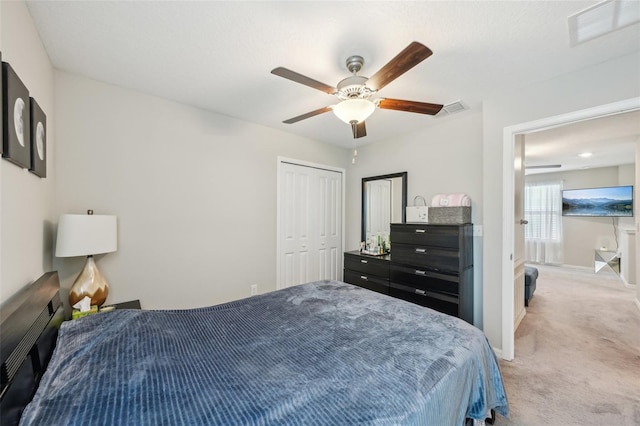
(508,173)
(303,163)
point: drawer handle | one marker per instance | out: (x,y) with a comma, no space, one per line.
(421,250)
(418,272)
(362,277)
(420,292)
(420,231)
(364,261)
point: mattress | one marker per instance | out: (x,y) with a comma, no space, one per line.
(325,352)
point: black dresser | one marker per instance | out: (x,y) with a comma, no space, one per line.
(367,271)
(431,265)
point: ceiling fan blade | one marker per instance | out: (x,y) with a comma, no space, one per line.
(411,56)
(299,78)
(359,130)
(409,106)
(544,166)
(307,115)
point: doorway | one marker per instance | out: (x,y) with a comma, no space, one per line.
(310,214)
(511,134)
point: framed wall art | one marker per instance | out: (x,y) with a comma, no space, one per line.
(38,140)
(1,107)
(16,140)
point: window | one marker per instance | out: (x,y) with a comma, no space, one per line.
(543,211)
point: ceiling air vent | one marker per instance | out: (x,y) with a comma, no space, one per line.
(451,108)
(602,18)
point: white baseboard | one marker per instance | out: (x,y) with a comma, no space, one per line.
(498,353)
(626,284)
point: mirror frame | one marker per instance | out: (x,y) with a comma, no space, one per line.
(402,175)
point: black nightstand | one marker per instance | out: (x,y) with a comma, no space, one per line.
(132,304)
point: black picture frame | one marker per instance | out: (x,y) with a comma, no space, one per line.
(1,107)
(38,140)
(16,138)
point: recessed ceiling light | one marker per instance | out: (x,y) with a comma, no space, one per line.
(585,154)
(602,18)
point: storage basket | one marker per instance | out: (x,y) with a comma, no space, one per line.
(450,215)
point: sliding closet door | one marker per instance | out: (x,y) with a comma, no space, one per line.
(310,224)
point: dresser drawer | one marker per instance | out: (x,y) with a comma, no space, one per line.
(449,307)
(432,235)
(422,279)
(372,282)
(431,258)
(367,264)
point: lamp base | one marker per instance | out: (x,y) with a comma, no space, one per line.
(91,283)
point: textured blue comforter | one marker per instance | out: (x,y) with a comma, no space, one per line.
(319,353)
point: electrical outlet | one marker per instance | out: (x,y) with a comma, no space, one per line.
(477,230)
(254,289)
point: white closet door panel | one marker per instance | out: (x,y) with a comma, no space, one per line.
(304,269)
(335,263)
(289,262)
(310,223)
(323,268)
(330,232)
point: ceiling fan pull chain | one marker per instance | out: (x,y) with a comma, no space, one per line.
(354,128)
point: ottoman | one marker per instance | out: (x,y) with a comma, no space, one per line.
(530,277)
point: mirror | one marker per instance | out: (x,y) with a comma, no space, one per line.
(384,201)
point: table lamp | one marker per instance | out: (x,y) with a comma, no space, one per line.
(87,235)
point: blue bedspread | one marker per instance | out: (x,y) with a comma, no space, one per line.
(323,353)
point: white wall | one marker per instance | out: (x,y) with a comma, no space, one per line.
(627,176)
(582,235)
(27,203)
(194,192)
(443,158)
(604,83)
(636,210)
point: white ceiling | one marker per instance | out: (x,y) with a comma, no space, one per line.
(217,55)
(611,141)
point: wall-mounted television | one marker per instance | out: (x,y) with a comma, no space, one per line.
(610,201)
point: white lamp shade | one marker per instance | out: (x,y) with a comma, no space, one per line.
(356,110)
(84,235)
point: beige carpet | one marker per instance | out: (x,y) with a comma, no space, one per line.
(577,353)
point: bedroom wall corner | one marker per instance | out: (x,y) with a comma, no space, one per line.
(26,201)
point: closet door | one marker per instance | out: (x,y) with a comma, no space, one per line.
(310,224)
(329,225)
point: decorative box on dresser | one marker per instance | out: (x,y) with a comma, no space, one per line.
(367,271)
(432,265)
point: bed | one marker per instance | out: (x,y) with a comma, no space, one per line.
(325,352)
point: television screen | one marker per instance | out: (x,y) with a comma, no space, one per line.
(612,201)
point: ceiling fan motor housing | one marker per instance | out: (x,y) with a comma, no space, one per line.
(353,87)
(355,63)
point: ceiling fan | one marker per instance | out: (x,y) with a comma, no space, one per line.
(544,166)
(355,92)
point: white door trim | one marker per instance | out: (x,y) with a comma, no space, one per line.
(509,136)
(282,160)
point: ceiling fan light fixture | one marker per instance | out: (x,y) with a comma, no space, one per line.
(351,110)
